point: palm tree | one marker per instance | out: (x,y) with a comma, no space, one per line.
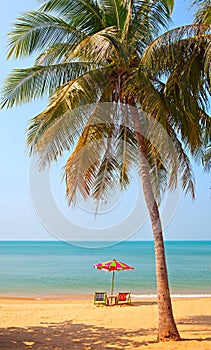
(122,92)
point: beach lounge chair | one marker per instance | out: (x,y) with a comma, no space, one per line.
(124,298)
(100,298)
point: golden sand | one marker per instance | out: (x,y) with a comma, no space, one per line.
(66,324)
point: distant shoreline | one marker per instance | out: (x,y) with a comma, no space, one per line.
(85,297)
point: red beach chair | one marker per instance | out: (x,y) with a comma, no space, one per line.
(124,298)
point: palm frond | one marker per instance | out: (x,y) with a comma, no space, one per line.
(203,11)
(99,47)
(139,34)
(115,13)
(82,166)
(126,148)
(150,93)
(24,85)
(207,61)
(158,178)
(118,47)
(106,174)
(60,125)
(37,31)
(85,14)
(206,136)
(126,24)
(170,5)
(168,158)
(186,91)
(126,154)
(184,165)
(174,45)
(106,179)
(161,152)
(148,19)
(185,108)
(206,159)
(54,55)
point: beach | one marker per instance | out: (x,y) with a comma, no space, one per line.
(74,322)
(47,297)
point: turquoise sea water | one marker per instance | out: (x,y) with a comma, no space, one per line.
(37,269)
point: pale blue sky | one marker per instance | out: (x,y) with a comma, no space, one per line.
(18,220)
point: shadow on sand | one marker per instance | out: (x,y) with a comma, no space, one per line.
(141,303)
(200,320)
(69,336)
(79,336)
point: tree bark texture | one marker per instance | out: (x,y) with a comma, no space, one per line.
(167,329)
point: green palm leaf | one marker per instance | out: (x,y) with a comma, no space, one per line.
(85,14)
(61,124)
(37,31)
(115,13)
(55,54)
(24,85)
(203,13)
(172,46)
(140,25)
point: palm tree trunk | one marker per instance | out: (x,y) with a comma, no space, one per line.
(167,329)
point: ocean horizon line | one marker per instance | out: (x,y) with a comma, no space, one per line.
(98,240)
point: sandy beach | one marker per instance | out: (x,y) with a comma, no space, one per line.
(76,323)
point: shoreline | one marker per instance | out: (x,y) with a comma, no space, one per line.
(135,297)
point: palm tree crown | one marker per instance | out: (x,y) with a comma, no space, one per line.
(94,52)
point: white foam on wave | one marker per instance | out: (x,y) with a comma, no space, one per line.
(152,296)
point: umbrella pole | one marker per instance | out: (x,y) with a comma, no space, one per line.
(112,283)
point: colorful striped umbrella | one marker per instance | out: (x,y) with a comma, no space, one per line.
(112,265)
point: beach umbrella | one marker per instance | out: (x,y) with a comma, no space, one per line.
(112,265)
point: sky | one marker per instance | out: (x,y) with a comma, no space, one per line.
(33,205)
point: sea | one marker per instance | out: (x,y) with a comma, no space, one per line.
(63,269)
